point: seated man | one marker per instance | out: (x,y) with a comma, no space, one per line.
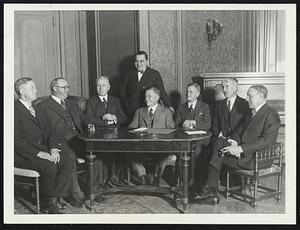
(104,110)
(194,114)
(259,131)
(152,116)
(65,117)
(39,149)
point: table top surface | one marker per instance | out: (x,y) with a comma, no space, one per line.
(124,134)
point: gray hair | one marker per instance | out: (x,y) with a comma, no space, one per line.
(195,85)
(53,83)
(262,89)
(102,77)
(19,83)
(155,90)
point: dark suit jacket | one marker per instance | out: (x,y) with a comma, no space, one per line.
(201,115)
(258,132)
(163,118)
(230,123)
(31,136)
(95,110)
(134,90)
(54,115)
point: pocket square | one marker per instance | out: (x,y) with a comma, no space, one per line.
(200,113)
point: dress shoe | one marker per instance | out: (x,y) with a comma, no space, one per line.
(50,207)
(75,201)
(205,192)
(60,205)
(101,199)
(211,200)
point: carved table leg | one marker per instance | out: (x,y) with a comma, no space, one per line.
(91,168)
(185,179)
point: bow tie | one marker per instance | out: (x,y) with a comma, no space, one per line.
(141,72)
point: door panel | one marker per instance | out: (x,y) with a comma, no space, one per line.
(36,48)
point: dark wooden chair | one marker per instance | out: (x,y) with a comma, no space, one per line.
(251,186)
(29,178)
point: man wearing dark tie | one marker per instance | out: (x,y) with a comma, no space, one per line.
(137,82)
(152,116)
(258,131)
(104,110)
(65,117)
(194,114)
(228,115)
(38,148)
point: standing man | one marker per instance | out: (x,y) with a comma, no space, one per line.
(152,116)
(39,149)
(65,117)
(194,114)
(137,82)
(104,110)
(259,131)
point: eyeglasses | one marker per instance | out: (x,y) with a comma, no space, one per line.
(64,87)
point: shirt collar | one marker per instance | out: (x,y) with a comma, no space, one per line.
(232,99)
(153,108)
(194,104)
(26,104)
(55,98)
(259,107)
(101,97)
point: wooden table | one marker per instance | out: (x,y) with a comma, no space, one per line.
(119,140)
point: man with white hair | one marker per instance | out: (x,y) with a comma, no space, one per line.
(36,147)
(258,131)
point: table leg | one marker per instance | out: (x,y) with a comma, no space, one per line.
(91,168)
(185,179)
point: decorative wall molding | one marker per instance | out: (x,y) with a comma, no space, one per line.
(143,31)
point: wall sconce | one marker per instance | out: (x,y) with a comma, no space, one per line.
(213,29)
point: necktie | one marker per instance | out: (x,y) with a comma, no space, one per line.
(253,112)
(228,104)
(105,103)
(31,110)
(63,104)
(151,114)
(191,109)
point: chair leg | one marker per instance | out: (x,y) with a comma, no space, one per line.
(255,193)
(227,184)
(279,187)
(37,189)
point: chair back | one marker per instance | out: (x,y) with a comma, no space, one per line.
(266,156)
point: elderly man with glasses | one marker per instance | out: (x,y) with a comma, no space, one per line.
(65,117)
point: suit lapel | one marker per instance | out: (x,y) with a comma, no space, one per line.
(253,120)
(57,108)
(26,112)
(145,117)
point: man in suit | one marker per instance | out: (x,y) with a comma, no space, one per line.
(65,117)
(227,119)
(38,148)
(137,82)
(194,114)
(152,116)
(259,130)
(104,110)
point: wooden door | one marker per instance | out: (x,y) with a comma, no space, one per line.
(36,48)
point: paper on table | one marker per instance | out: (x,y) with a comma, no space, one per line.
(138,129)
(192,132)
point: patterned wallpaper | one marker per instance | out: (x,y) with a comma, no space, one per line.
(223,56)
(162,47)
